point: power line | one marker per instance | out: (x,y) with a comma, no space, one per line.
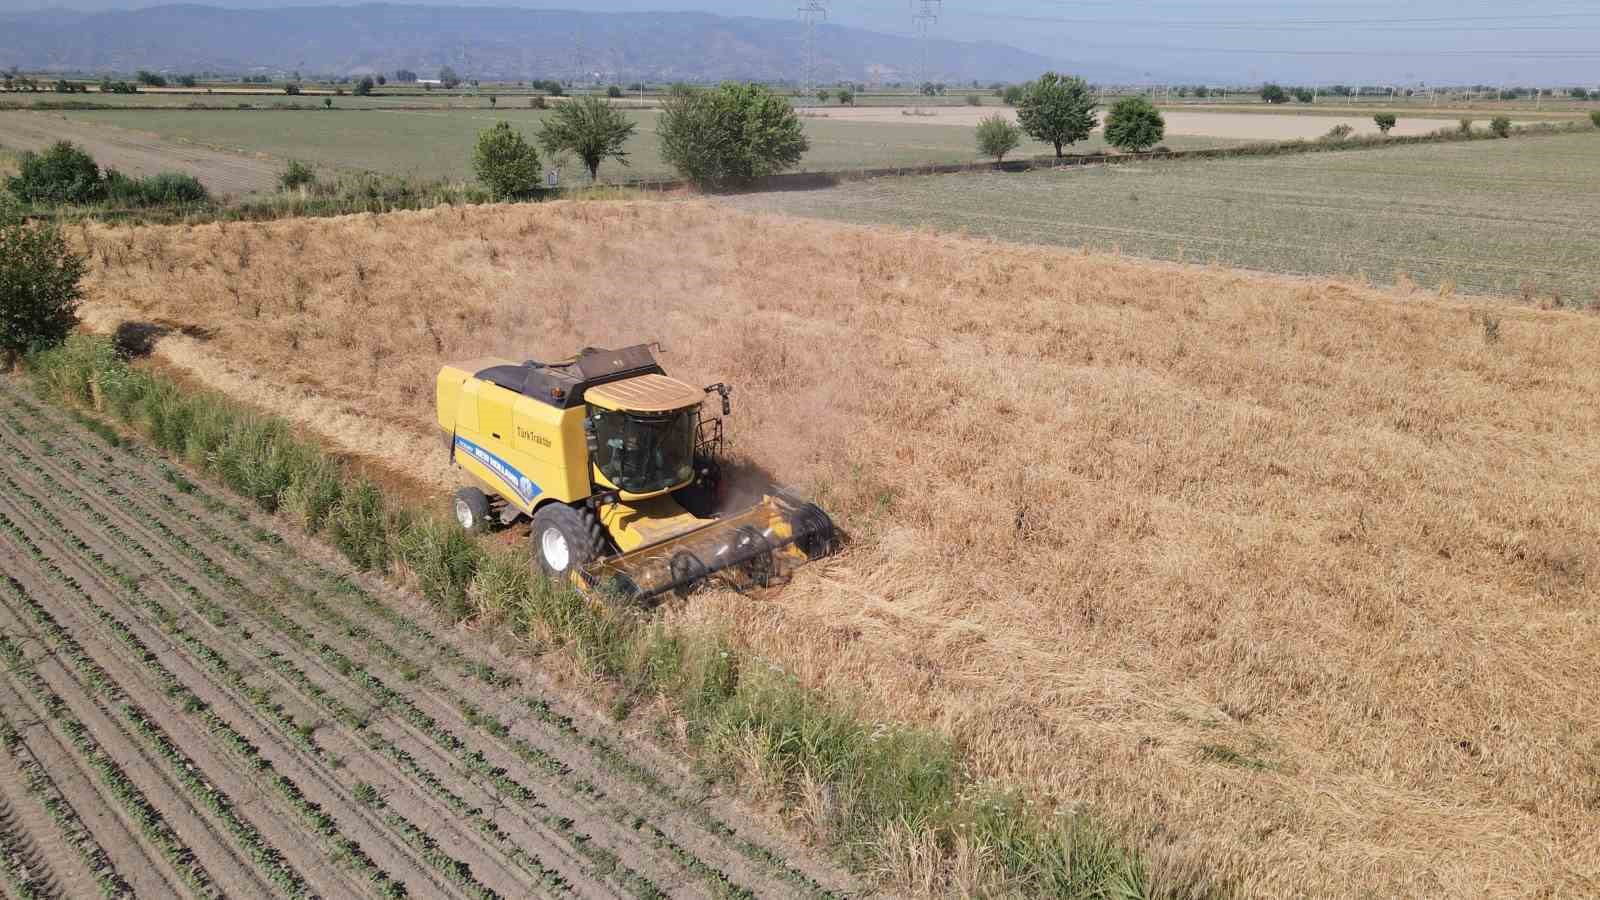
(811,13)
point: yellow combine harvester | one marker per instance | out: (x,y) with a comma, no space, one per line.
(619,471)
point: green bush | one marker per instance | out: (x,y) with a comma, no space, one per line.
(364,87)
(1385,121)
(614,91)
(506,163)
(39,293)
(162,189)
(1012,94)
(1273,93)
(1134,125)
(61,174)
(997,136)
(1304,95)
(314,489)
(731,133)
(847,97)
(445,559)
(297,175)
(1595,118)
(1501,126)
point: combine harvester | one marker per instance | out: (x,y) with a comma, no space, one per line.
(619,471)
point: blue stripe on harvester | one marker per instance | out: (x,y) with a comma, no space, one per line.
(525,490)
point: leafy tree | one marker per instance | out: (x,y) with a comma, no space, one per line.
(292,89)
(590,129)
(1012,94)
(735,132)
(1057,110)
(614,91)
(997,136)
(505,162)
(1304,95)
(824,95)
(405,76)
(39,292)
(1385,121)
(186,81)
(493,101)
(847,97)
(1134,125)
(1273,93)
(1202,91)
(364,87)
(61,174)
(327,103)
(382,81)
(1501,126)
(449,78)
(151,79)
(1595,118)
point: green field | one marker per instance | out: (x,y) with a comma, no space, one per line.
(1504,217)
(438,143)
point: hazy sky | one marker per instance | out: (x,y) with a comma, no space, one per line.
(1544,41)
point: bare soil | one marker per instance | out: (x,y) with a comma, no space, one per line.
(357,748)
(141,153)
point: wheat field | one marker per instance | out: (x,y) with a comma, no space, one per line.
(1294,580)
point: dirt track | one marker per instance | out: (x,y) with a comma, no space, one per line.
(198,704)
(140,153)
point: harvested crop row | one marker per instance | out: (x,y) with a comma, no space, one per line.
(713,875)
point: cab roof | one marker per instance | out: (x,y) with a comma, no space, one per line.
(646,394)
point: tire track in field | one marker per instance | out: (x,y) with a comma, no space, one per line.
(658,819)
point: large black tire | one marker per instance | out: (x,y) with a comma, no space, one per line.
(565,539)
(472,510)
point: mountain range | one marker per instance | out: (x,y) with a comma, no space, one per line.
(494,43)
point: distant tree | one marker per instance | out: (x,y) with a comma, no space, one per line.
(735,132)
(187,81)
(382,80)
(1058,110)
(636,88)
(824,95)
(1578,93)
(1273,93)
(327,103)
(847,97)
(1594,116)
(39,292)
(405,76)
(932,89)
(62,174)
(493,101)
(589,129)
(997,136)
(151,79)
(1304,95)
(291,89)
(449,78)
(974,100)
(1385,121)
(1012,94)
(614,91)
(506,163)
(1202,91)
(364,87)
(1134,125)
(1501,126)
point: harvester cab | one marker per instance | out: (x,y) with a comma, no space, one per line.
(619,468)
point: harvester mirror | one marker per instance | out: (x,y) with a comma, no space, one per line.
(725,392)
(590,436)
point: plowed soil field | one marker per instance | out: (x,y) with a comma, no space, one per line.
(194,704)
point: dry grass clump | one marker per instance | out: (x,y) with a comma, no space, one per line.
(1290,579)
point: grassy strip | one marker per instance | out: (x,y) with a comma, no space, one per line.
(887,782)
(42,788)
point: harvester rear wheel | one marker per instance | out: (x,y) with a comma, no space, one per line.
(472,510)
(564,539)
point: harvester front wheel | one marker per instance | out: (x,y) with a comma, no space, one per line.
(564,539)
(472,510)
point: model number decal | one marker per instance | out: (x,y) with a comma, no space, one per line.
(519,483)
